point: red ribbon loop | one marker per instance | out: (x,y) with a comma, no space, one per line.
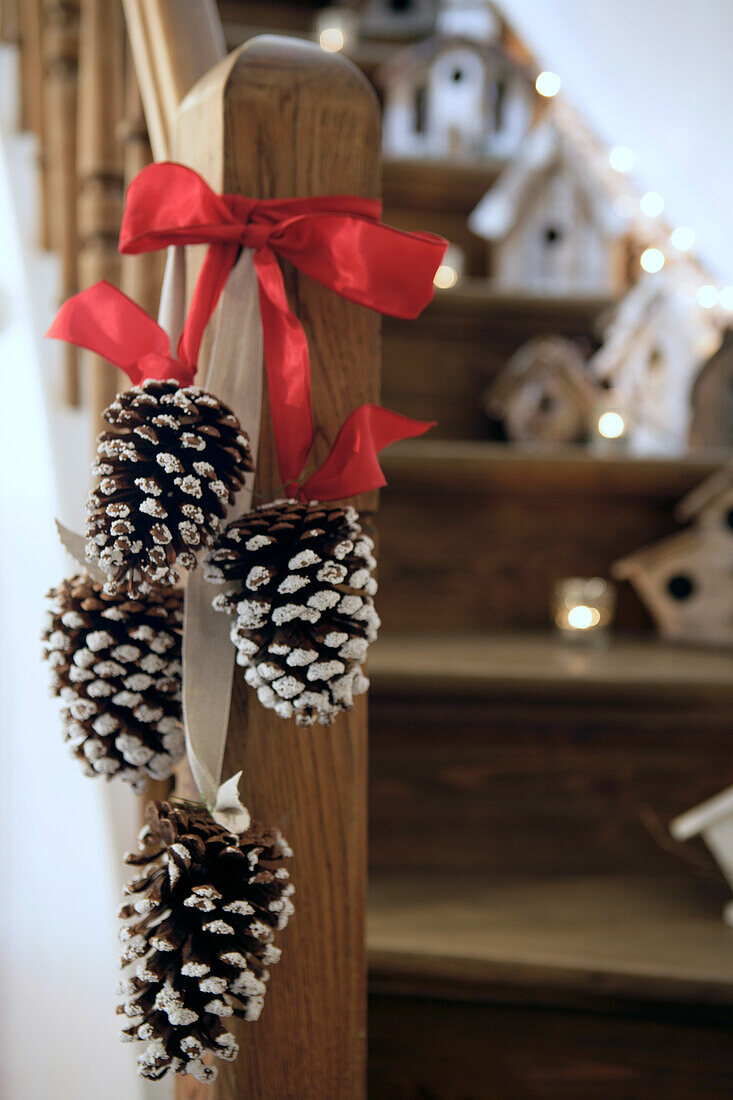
(337,240)
(107,322)
(352,466)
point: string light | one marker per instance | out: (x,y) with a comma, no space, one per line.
(548,84)
(445,277)
(621,158)
(683,238)
(332,39)
(611,425)
(651,204)
(708,296)
(726,299)
(652,260)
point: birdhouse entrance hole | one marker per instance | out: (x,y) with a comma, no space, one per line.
(680,587)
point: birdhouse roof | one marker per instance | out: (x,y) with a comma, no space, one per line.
(544,356)
(714,486)
(504,203)
(414,61)
(682,543)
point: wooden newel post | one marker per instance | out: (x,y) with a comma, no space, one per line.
(281,118)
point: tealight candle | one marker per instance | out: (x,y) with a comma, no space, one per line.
(582,608)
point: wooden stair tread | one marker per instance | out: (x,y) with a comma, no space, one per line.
(469,464)
(587,937)
(487,663)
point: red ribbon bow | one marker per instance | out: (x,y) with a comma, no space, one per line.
(336,239)
(107,322)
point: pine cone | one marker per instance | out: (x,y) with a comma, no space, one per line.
(207,905)
(168,471)
(302,605)
(116,666)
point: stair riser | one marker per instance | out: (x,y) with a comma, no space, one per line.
(453,559)
(542,785)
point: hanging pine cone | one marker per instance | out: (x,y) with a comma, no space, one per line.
(207,906)
(116,667)
(167,472)
(302,605)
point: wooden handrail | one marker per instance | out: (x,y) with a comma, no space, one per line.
(174,42)
(280,117)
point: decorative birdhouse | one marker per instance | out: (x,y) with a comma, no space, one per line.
(712,400)
(457,94)
(544,394)
(652,349)
(552,226)
(398,19)
(686,581)
(713,821)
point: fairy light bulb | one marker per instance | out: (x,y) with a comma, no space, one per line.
(725,299)
(611,425)
(683,238)
(332,39)
(445,277)
(548,84)
(652,260)
(651,204)
(708,296)
(621,158)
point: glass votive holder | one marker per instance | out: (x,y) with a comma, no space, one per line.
(582,609)
(336,29)
(609,427)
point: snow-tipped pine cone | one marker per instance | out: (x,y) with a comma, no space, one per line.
(204,910)
(168,470)
(116,667)
(300,591)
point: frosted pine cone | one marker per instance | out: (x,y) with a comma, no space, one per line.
(167,472)
(302,604)
(205,908)
(116,667)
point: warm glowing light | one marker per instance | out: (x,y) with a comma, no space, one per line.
(708,296)
(583,617)
(548,84)
(445,277)
(611,425)
(726,299)
(621,158)
(651,204)
(332,39)
(683,238)
(652,260)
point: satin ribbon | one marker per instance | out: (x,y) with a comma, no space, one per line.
(107,322)
(337,240)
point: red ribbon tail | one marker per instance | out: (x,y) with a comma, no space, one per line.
(220,260)
(288,369)
(107,322)
(352,466)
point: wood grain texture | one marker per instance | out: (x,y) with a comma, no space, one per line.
(99,170)
(59,184)
(548,761)
(282,118)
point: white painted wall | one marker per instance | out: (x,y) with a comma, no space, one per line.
(654,75)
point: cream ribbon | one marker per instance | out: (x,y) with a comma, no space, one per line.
(234,375)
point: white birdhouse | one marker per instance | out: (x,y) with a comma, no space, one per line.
(686,580)
(713,821)
(552,225)
(397,19)
(454,95)
(652,349)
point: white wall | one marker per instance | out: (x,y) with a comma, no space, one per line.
(654,75)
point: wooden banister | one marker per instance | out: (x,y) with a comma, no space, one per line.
(99,168)
(174,42)
(281,118)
